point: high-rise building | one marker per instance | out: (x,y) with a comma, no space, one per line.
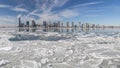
(67,24)
(80,24)
(33,24)
(49,24)
(87,25)
(54,24)
(19,22)
(93,25)
(27,23)
(73,24)
(22,25)
(62,24)
(58,24)
(44,23)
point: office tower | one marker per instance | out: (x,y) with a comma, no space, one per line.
(58,24)
(93,26)
(22,25)
(67,24)
(27,23)
(87,25)
(33,23)
(54,24)
(62,24)
(44,23)
(50,24)
(19,22)
(47,24)
(80,24)
(72,24)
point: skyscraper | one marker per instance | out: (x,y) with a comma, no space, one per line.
(19,22)
(45,24)
(67,24)
(49,24)
(80,24)
(62,24)
(27,23)
(72,24)
(54,24)
(33,23)
(58,24)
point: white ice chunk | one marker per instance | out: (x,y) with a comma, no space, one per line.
(6,48)
(30,64)
(44,60)
(4,62)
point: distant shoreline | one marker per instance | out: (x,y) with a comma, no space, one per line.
(59,27)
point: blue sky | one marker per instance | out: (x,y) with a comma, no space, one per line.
(104,12)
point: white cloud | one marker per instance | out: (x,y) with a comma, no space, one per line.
(19,15)
(59,3)
(8,20)
(19,9)
(69,13)
(50,17)
(44,10)
(33,13)
(4,6)
(88,4)
(48,5)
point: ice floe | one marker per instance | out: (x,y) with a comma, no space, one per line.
(59,50)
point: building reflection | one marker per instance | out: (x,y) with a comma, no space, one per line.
(21,29)
(27,29)
(61,30)
(33,30)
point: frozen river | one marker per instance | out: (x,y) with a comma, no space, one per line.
(59,48)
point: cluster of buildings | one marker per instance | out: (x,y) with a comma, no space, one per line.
(58,24)
(27,24)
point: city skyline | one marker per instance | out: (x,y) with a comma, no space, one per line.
(103,12)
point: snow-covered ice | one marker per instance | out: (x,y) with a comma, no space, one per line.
(59,50)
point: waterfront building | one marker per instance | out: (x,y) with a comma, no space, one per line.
(58,24)
(45,24)
(22,25)
(87,25)
(79,24)
(73,24)
(27,23)
(19,22)
(62,24)
(54,24)
(34,23)
(67,24)
(49,25)
(93,25)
